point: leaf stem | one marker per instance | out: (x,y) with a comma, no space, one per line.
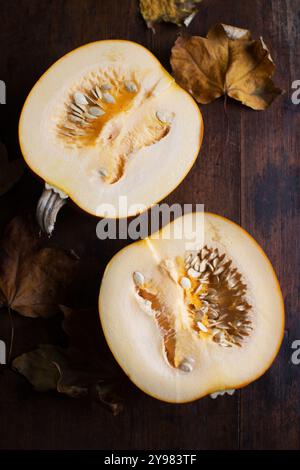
(227,120)
(227,130)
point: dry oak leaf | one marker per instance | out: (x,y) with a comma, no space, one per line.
(48,368)
(33,277)
(10,171)
(227,62)
(173,11)
(39,367)
(84,369)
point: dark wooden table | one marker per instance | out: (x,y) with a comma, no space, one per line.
(254,181)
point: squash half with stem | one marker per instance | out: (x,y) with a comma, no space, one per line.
(105,122)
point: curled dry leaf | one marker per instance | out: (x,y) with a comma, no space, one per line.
(33,277)
(39,367)
(84,369)
(10,171)
(227,62)
(174,11)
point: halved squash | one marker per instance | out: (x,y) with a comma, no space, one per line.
(107,121)
(192,310)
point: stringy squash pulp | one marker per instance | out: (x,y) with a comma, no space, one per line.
(106,121)
(188,316)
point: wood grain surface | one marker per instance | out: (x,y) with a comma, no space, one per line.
(253,180)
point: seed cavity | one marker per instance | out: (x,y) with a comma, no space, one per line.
(223,299)
(163,318)
(89,117)
(221,291)
(213,305)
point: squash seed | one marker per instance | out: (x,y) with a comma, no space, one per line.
(76,118)
(193,273)
(138,278)
(76,109)
(187,365)
(131,87)
(96,111)
(194,261)
(197,266)
(108,98)
(203,253)
(97,92)
(203,265)
(90,116)
(80,98)
(106,87)
(188,258)
(219,270)
(165,117)
(185,283)
(202,327)
(199,288)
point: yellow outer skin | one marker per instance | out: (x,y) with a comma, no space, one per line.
(234,385)
(60,187)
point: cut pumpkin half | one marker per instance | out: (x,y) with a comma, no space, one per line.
(107,121)
(190,315)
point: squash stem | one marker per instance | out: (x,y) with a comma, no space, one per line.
(48,207)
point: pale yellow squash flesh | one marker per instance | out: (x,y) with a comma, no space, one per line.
(145,158)
(136,341)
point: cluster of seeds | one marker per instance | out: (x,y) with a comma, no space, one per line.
(215,296)
(224,311)
(91,106)
(86,107)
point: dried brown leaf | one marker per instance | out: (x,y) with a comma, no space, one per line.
(84,369)
(173,11)
(39,367)
(227,62)
(33,277)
